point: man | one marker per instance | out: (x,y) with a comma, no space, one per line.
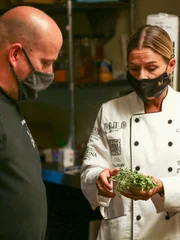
(29,44)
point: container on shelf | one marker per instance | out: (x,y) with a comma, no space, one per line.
(97,51)
(106,71)
(65,158)
(88,55)
(83,65)
(98,44)
(60,68)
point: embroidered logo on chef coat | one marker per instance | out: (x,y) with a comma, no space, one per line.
(23,122)
(95,135)
(96,131)
(90,152)
(93,138)
(114,126)
(115,146)
(117,162)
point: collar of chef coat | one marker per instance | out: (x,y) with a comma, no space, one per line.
(168,103)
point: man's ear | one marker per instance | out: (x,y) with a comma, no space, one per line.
(15,50)
(171,66)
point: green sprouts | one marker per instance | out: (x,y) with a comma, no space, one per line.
(126,179)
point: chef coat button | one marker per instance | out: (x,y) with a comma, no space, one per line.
(138,217)
(170,144)
(169,121)
(167,217)
(170,169)
(136,120)
(136,143)
(137,168)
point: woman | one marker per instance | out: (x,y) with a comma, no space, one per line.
(140,131)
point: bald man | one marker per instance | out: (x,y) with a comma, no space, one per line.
(29,44)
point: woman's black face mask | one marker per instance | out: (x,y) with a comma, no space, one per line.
(149,87)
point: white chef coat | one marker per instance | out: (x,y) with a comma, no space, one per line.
(124,135)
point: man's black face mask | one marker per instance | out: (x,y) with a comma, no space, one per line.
(35,82)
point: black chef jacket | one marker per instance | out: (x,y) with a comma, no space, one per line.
(22,192)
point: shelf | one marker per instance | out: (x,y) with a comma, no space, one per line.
(62,7)
(102,17)
(105,5)
(51,8)
(113,83)
(48,8)
(62,85)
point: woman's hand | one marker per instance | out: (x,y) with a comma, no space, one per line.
(104,184)
(137,194)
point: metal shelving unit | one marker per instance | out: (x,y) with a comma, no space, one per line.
(86,7)
(71,77)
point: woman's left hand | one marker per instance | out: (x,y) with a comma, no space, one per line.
(137,194)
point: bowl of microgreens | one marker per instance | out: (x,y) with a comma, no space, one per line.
(126,179)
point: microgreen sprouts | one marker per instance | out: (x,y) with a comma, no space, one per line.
(126,179)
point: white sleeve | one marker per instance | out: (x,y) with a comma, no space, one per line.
(170,201)
(96,159)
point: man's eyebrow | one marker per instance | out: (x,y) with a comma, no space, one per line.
(49,59)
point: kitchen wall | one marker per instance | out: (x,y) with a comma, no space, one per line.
(144,8)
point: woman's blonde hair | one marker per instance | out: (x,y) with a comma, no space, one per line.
(154,37)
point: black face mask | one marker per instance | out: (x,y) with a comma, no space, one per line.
(149,87)
(35,82)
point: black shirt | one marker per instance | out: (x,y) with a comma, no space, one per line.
(22,192)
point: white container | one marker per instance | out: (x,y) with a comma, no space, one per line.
(170,23)
(66,158)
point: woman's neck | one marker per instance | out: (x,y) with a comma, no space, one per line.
(155,105)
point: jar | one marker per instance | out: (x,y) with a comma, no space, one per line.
(97,49)
(106,71)
(83,63)
(99,46)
